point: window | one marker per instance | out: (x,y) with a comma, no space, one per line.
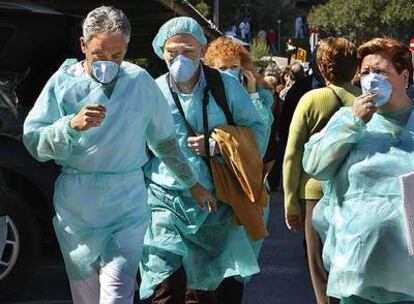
(5,35)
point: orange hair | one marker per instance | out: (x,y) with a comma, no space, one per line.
(225,48)
(399,54)
(337,59)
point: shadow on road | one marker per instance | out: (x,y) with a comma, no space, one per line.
(284,278)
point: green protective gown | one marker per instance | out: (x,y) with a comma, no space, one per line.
(360,217)
(209,246)
(263,105)
(100,197)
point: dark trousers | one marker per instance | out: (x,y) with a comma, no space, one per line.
(230,291)
(174,291)
(318,274)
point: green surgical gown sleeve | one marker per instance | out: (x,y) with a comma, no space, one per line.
(162,139)
(263,105)
(47,134)
(244,112)
(326,150)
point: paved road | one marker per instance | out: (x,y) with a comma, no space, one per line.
(283,280)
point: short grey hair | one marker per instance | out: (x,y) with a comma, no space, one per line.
(106,20)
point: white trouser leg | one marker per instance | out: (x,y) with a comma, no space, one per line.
(85,291)
(116,287)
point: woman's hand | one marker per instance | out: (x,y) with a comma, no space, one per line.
(294,222)
(364,107)
(251,81)
(203,196)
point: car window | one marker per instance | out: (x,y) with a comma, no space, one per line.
(3,188)
(10,124)
(5,35)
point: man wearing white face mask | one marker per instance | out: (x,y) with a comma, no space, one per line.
(188,252)
(94,118)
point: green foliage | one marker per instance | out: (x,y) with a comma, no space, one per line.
(259,49)
(203,8)
(262,64)
(264,14)
(142,62)
(153,66)
(362,20)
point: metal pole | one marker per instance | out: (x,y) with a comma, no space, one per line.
(279,34)
(216,13)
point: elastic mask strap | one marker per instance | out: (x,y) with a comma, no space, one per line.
(338,99)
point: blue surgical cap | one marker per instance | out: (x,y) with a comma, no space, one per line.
(175,26)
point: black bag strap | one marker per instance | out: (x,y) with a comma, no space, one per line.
(180,107)
(187,124)
(216,87)
(205,125)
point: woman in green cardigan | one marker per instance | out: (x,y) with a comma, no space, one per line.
(337,62)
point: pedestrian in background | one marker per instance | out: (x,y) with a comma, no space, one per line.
(272,40)
(244,28)
(290,49)
(299,28)
(262,35)
(298,83)
(337,60)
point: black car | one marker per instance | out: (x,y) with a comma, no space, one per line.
(34,42)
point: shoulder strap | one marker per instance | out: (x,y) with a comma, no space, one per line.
(187,125)
(340,103)
(205,125)
(216,87)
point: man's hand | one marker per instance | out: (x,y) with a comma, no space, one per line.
(293,222)
(202,195)
(197,144)
(91,116)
